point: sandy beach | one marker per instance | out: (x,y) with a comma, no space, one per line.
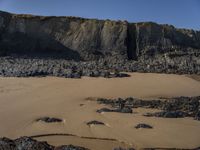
(23,100)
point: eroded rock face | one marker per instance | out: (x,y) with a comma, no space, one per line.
(119,45)
(67,35)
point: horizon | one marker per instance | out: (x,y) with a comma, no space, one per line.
(180,13)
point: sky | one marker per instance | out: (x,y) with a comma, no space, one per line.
(180,13)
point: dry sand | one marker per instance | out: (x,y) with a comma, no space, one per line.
(22,100)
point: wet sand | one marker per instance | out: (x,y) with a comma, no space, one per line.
(23,100)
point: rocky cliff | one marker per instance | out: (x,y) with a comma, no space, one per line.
(156,48)
(78,36)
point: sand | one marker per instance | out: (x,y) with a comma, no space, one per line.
(23,100)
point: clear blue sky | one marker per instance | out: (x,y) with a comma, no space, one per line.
(180,13)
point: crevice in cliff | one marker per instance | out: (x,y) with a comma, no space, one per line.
(131,42)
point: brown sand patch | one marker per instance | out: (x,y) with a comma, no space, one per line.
(24,99)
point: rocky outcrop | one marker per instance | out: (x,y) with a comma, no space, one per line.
(177,107)
(145,47)
(27,143)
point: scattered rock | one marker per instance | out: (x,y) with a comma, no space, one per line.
(27,143)
(177,107)
(119,148)
(124,110)
(118,75)
(143,125)
(49,120)
(104,110)
(7,144)
(23,143)
(197,116)
(70,147)
(167,114)
(94,122)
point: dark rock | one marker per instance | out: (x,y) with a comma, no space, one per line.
(121,103)
(119,75)
(105,74)
(27,143)
(49,120)
(70,147)
(105,101)
(148,114)
(125,110)
(120,148)
(143,125)
(104,110)
(7,144)
(197,116)
(167,114)
(94,122)
(172,107)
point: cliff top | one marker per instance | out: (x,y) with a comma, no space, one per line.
(40,17)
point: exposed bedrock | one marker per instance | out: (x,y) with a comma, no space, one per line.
(177,107)
(151,45)
(27,143)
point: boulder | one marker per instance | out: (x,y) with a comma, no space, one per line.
(49,119)
(95,122)
(143,125)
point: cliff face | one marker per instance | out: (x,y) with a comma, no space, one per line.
(81,38)
(25,33)
(146,46)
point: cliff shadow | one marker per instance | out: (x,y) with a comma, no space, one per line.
(131,43)
(33,46)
